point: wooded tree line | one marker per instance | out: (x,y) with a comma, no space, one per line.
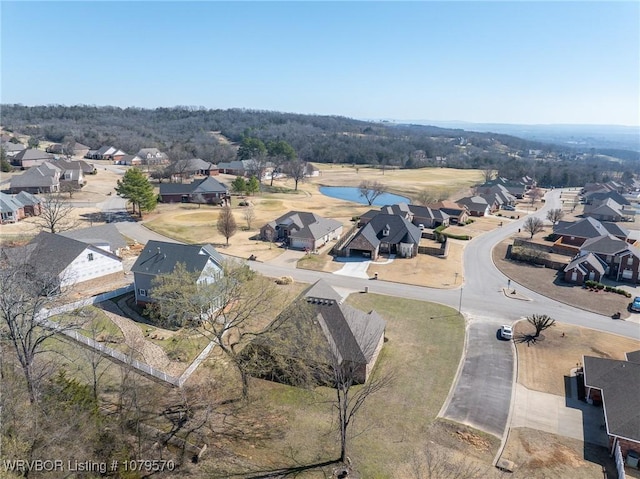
(186,132)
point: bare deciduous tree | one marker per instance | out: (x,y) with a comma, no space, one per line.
(371,190)
(56,214)
(433,463)
(487,174)
(296,169)
(249,215)
(555,215)
(540,322)
(534,195)
(533,225)
(425,197)
(226,224)
(70,188)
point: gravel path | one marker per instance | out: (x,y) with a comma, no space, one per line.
(153,354)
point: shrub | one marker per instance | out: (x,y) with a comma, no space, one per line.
(284,280)
(600,286)
(528,255)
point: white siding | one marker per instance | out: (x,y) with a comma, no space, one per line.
(84,269)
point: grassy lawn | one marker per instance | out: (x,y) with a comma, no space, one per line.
(93,323)
(421,353)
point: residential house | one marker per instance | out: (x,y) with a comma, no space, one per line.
(421,216)
(302,230)
(608,210)
(32,204)
(30,157)
(12,149)
(585,266)
(70,261)
(330,336)
(577,232)
(130,160)
(159,258)
(207,191)
(86,168)
(193,167)
(153,156)
(74,148)
(613,383)
(44,178)
(476,205)
(11,211)
(106,153)
(598,197)
(106,237)
(235,167)
(385,233)
(622,259)
(458,214)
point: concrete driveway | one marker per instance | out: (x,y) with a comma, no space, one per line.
(564,416)
(354,267)
(481,396)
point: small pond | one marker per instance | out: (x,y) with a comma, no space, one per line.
(349,193)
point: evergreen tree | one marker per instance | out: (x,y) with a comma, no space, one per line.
(253,185)
(5,166)
(239,184)
(136,188)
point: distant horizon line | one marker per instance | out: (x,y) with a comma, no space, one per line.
(376,120)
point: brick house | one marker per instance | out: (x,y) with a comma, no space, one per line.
(584,267)
(302,230)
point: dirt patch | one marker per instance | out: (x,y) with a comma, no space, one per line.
(539,454)
(546,282)
(543,365)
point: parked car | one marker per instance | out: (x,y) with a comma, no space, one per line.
(635,305)
(506,331)
(508,207)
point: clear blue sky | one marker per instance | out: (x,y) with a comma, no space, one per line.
(508,62)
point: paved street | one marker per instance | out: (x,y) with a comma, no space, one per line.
(481,396)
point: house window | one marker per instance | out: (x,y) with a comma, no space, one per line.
(90,256)
(142,292)
(630,261)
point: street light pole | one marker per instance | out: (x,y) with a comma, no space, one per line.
(460,303)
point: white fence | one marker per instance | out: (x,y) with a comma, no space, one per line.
(619,461)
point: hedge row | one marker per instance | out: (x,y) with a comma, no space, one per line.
(610,289)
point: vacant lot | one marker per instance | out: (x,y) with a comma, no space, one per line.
(545,281)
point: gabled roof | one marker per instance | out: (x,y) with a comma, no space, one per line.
(202,186)
(106,234)
(194,164)
(11,147)
(159,257)
(427,212)
(75,165)
(231,165)
(589,228)
(401,209)
(32,154)
(618,381)
(399,230)
(605,244)
(352,334)
(581,260)
(53,252)
(8,204)
(597,197)
(306,224)
(43,175)
(27,199)
(474,203)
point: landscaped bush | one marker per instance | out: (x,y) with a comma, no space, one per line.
(528,255)
(284,280)
(590,284)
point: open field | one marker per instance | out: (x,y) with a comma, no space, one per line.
(422,356)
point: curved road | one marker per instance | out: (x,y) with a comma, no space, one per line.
(481,395)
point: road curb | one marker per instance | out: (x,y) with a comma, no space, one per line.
(505,435)
(456,379)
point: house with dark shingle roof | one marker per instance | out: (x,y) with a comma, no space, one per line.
(302,230)
(615,384)
(577,232)
(585,267)
(69,260)
(458,214)
(193,166)
(424,216)
(152,156)
(622,259)
(11,211)
(477,205)
(105,236)
(609,210)
(328,336)
(205,191)
(159,257)
(384,233)
(44,178)
(31,203)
